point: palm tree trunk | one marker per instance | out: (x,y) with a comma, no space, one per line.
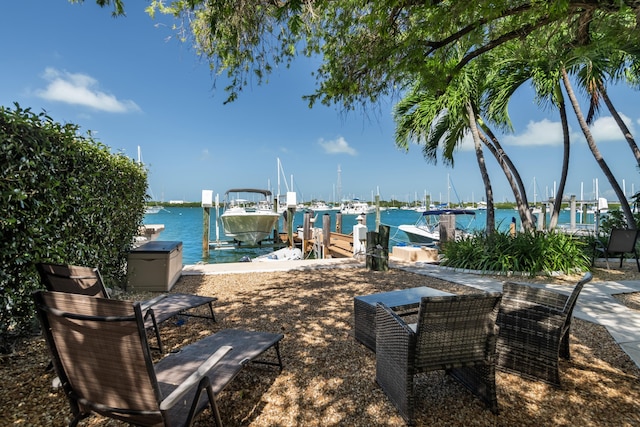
(624,204)
(623,127)
(491,215)
(512,175)
(565,157)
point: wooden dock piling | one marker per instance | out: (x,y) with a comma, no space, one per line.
(206,221)
(326,234)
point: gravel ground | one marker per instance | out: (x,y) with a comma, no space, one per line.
(329,378)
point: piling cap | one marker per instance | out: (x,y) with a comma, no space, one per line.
(360,219)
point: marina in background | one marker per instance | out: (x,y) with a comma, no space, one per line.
(185,224)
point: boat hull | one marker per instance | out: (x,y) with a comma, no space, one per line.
(249,227)
(420,235)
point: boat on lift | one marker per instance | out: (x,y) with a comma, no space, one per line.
(426,230)
(248,219)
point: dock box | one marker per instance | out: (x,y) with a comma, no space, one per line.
(154,266)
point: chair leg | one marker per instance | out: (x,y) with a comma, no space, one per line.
(564,350)
(637,262)
(479,380)
(205,384)
(213,316)
(156,330)
(214,407)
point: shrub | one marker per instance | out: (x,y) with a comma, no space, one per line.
(533,253)
(66,199)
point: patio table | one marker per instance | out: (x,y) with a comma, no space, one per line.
(404,302)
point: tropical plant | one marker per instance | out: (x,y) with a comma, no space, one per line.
(442,120)
(534,253)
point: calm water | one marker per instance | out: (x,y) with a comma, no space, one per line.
(185,225)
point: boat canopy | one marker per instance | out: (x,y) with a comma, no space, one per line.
(249,190)
(449,211)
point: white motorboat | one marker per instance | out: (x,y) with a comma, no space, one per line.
(249,219)
(284,254)
(356,207)
(426,231)
(320,207)
(152,209)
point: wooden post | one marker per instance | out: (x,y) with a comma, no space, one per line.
(306,226)
(447,228)
(371,260)
(542,219)
(512,227)
(206,219)
(377,211)
(383,242)
(306,232)
(276,227)
(572,210)
(326,234)
(290,215)
(339,223)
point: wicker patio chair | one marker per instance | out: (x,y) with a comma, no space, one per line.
(534,330)
(621,241)
(88,281)
(101,355)
(454,333)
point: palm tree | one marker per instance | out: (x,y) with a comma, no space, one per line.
(441,121)
(477,144)
(528,63)
(624,204)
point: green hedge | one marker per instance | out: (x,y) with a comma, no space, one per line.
(66,199)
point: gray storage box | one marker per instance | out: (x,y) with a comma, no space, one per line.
(155,266)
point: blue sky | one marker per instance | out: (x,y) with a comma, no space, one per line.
(132,84)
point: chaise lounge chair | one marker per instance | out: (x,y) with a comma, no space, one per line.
(454,333)
(88,281)
(101,355)
(534,330)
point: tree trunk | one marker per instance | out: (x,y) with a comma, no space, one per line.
(512,175)
(565,157)
(491,215)
(623,127)
(624,204)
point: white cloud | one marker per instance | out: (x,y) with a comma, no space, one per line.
(544,132)
(337,146)
(606,129)
(81,89)
(467,143)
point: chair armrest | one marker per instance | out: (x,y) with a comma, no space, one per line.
(395,366)
(176,395)
(598,244)
(145,305)
(391,321)
(395,340)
